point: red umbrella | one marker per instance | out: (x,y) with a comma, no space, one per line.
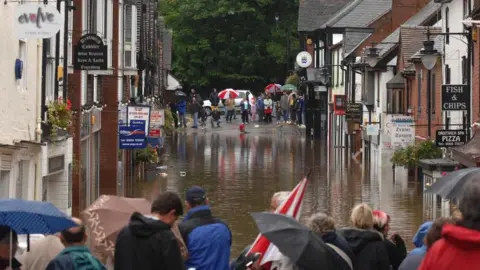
(228,93)
(272,88)
(290,207)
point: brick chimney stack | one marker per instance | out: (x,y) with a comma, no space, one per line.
(402,10)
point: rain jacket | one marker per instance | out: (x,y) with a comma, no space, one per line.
(181,106)
(147,244)
(396,251)
(334,239)
(208,240)
(75,258)
(459,248)
(414,259)
(260,104)
(284,102)
(214,99)
(368,247)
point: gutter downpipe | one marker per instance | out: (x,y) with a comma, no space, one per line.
(38,129)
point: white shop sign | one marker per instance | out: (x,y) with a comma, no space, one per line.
(37,21)
(139,113)
(401,130)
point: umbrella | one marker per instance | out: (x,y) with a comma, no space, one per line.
(273,87)
(451,185)
(228,93)
(108,215)
(180,94)
(33,217)
(294,240)
(291,207)
(288,87)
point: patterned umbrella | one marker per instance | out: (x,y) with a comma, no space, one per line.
(228,93)
(273,87)
(108,215)
(33,217)
(289,87)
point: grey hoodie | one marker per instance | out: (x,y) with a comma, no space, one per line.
(284,102)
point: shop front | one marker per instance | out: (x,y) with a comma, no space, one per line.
(89,156)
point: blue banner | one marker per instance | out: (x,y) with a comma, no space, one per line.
(132,137)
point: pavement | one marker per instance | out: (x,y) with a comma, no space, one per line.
(251,128)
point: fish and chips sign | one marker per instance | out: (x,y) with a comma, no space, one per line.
(401,130)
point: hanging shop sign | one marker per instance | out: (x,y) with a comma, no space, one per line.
(37,21)
(132,136)
(401,130)
(372,130)
(304,59)
(354,112)
(339,104)
(157,118)
(90,53)
(450,138)
(455,97)
(139,112)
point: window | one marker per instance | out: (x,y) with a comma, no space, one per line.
(464,70)
(433,91)
(448,74)
(91,16)
(337,67)
(22,56)
(466,9)
(4,184)
(340,53)
(447,26)
(395,101)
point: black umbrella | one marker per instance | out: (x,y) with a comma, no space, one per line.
(451,185)
(294,240)
(179,93)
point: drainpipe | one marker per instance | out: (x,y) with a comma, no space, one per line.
(38,129)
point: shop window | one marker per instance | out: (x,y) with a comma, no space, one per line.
(395,101)
(4,184)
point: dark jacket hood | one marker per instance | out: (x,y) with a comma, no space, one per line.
(143,226)
(358,238)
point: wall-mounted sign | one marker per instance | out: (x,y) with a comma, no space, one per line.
(339,104)
(155,132)
(455,97)
(37,21)
(450,138)
(354,112)
(56,164)
(304,59)
(157,118)
(138,112)
(132,136)
(90,53)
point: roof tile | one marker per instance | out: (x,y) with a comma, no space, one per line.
(312,14)
(411,39)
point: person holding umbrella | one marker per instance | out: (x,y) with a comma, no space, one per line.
(8,248)
(75,256)
(182,108)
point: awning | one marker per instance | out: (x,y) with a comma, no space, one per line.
(173,83)
(397,82)
(469,153)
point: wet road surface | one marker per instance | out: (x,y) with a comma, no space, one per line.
(241,172)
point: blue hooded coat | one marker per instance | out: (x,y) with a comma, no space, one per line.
(414,259)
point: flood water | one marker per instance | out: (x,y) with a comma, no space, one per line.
(240,174)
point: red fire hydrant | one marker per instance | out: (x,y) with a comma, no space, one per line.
(242,127)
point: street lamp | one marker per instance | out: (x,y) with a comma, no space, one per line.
(372,56)
(429,58)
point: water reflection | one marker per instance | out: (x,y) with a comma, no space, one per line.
(241,173)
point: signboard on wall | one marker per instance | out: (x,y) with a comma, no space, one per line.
(450,138)
(37,21)
(339,104)
(354,112)
(401,130)
(455,97)
(132,136)
(56,164)
(139,112)
(157,118)
(90,53)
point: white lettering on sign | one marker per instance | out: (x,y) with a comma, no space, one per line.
(459,106)
(454,89)
(139,113)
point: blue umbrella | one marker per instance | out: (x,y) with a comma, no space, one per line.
(33,217)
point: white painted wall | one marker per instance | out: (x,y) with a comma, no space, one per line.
(17,98)
(455,49)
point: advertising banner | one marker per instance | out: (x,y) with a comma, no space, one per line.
(37,21)
(133,136)
(139,112)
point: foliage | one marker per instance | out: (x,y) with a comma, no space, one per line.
(147,155)
(411,155)
(169,122)
(293,79)
(59,115)
(231,43)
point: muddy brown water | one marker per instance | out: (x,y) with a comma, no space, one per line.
(240,174)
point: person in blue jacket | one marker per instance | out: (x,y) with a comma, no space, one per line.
(208,239)
(260,108)
(182,108)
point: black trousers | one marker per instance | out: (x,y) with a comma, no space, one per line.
(245,116)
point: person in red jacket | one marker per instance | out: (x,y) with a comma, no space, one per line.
(459,247)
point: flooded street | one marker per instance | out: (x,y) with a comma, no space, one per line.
(241,173)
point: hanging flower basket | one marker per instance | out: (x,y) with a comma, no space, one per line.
(59,115)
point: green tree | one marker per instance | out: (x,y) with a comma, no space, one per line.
(231,43)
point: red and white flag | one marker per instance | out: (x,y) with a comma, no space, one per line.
(290,207)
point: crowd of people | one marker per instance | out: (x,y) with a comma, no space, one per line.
(201,241)
(287,109)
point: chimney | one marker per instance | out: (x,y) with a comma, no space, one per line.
(402,10)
